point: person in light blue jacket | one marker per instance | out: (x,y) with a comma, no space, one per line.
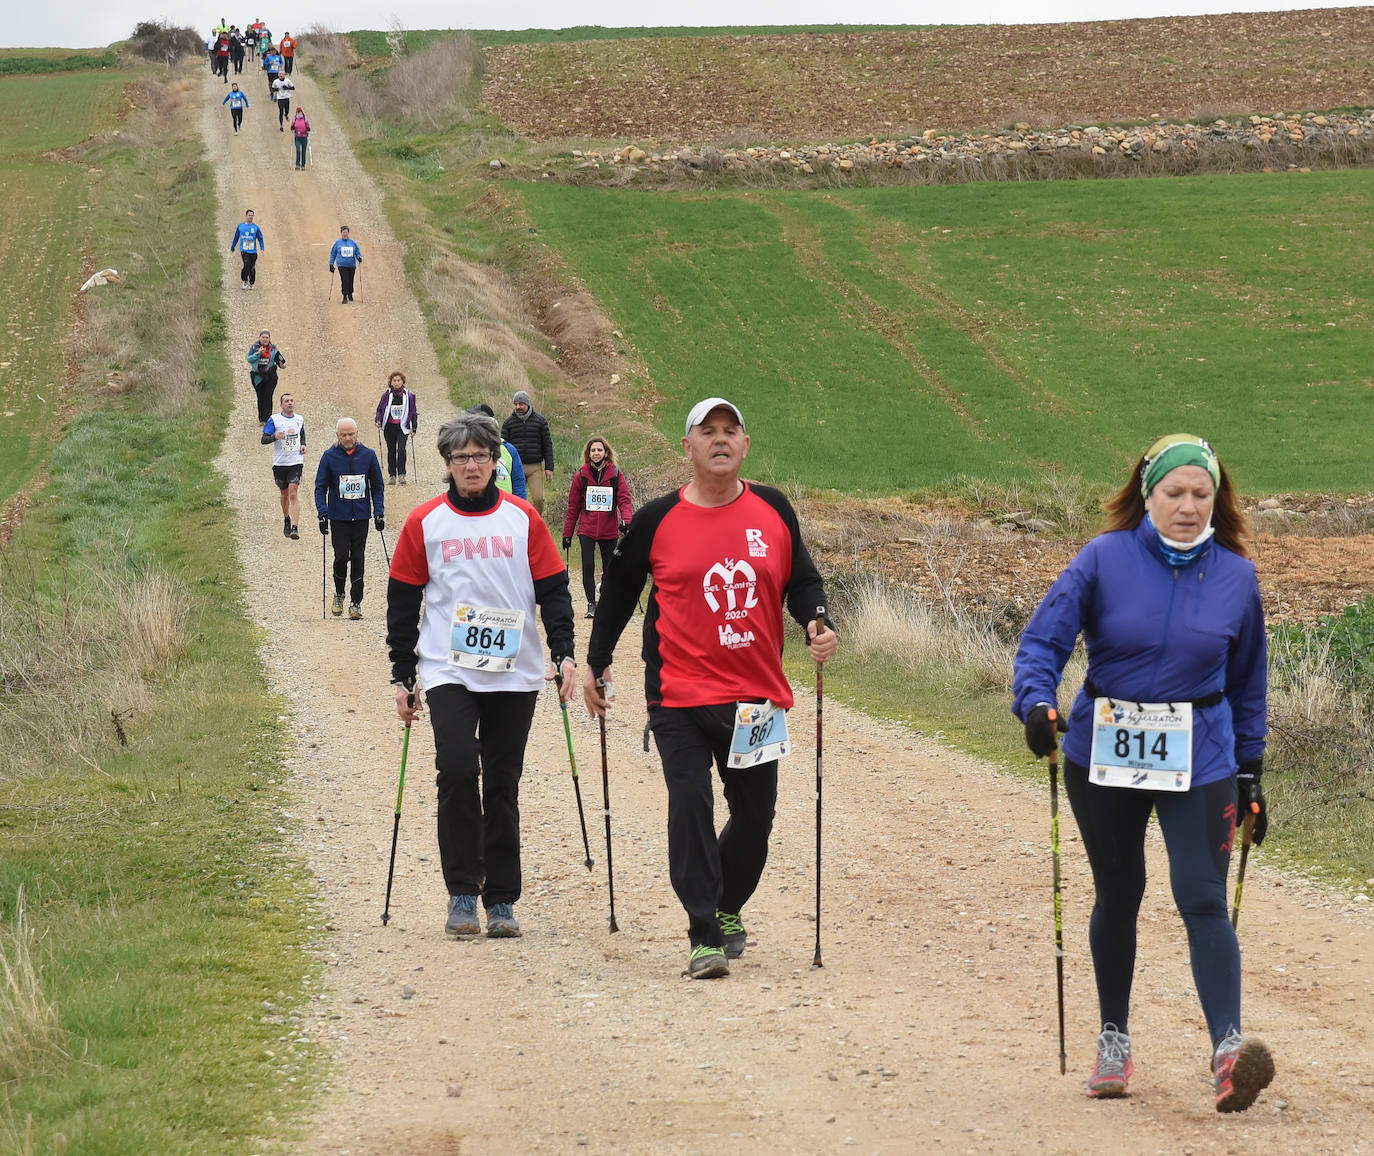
(1171,719)
(348,490)
(346,256)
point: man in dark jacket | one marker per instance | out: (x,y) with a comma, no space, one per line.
(528,432)
(348,490)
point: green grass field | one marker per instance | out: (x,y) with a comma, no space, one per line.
(887,339)
(46,200)
(166,905)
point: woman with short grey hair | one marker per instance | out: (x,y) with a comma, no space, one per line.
(480,561)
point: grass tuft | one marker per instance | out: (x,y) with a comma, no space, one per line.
(30,1028)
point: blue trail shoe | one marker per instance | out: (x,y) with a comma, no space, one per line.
(501,922)
(462,916)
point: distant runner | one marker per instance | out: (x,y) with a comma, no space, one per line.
(349,490)
(284,91)
(347,257)
(249,241)
(528,431)
(237,102)
(285,433)
(398,417)
(599,510)
(264,359)
(287,47)
(480,562)
(723,555)
(300,133)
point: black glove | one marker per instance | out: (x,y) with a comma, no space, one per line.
(324,524)
(623,527)
(1040,730)
(566,543)
(379,522)
(1250,798)
(331,268)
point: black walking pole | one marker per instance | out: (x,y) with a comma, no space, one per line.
(1247,837)
(820,714)
(322,579)
(1058,898)
(606,799)
(572,762)
(396,826)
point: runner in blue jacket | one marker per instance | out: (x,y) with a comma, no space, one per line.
(346,256)
(348,490)
(237,100)
(1170,612)
(249,241)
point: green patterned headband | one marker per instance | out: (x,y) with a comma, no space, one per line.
(1172,451)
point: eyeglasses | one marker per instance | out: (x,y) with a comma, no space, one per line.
(480,458)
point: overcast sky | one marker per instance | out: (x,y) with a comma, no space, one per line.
(85,23)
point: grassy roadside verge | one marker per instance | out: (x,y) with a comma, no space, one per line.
(141,802)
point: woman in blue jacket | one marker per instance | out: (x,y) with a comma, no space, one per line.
(1171,719)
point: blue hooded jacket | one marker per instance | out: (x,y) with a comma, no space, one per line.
(337,463)
(1155,633)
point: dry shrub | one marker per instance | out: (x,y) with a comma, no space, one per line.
(361,98)
(68,663)
(159,41)
(431,85)
(31,1032)
(328,51)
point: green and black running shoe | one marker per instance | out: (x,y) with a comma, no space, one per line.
(707,962)
(732,927)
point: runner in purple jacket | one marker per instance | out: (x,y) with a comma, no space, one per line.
(1171,719)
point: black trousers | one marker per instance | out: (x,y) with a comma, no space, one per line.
(346,280)
(236,115)
(288,63)
(250,269)
(222,67)
(266,387)
(480,736)
(710,871)
(237,58)
(589,545)
(349,540)
(395,448)
(283,113)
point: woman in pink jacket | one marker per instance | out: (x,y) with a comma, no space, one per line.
(598,510)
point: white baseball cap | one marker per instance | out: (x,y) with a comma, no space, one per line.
(702,408)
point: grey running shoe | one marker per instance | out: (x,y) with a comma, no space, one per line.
(501,922)
(1243,1068)
(336,607)
(707,962)
(732,927)
(1112,1073)
(591,609)
(401,481)
(462,916)
(355,611)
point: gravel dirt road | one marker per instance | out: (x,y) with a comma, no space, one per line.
(933,1019)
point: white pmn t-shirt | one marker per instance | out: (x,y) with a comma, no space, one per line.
(287,451)
(485,561)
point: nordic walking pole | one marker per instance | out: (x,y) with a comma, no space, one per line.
(820,714)
(572,762)
(1246,838)
(396,826)
(606,692)
(330,298)
(1058,897)
(322,568)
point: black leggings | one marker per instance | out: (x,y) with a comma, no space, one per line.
(350,546)
(395,448)
(480,735)
(589,546)
(710,872)
(1199,827)
(236,115)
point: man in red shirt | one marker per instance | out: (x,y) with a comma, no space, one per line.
(724,554)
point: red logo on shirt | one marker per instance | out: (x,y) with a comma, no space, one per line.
(492,546)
